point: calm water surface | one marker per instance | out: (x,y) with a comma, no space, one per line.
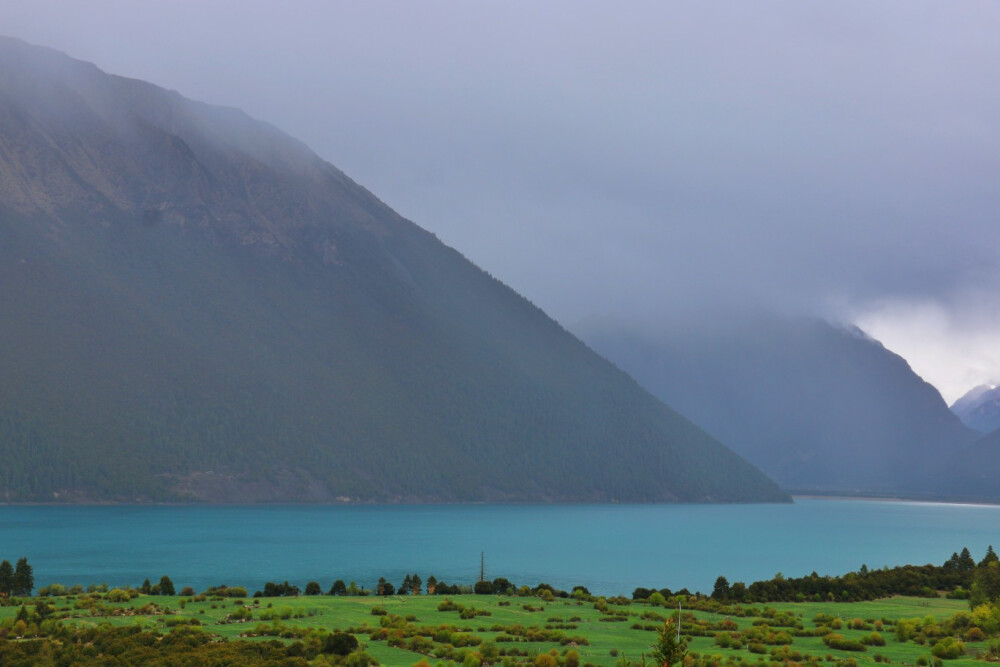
(611,549)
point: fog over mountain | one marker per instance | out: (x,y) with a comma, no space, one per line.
(979,408)
(650,162)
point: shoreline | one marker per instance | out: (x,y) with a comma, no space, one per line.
(895,499)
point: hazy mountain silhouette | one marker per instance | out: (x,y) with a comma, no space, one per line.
(816,406)
(979,408)
(972,475)
(196,306)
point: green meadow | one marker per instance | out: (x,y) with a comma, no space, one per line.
(487,629)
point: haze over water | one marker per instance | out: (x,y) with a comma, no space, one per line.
(611,549)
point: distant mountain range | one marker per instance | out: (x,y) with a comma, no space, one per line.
(197,307)
(820,408)
(979,408)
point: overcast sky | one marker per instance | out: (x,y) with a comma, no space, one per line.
(635,160)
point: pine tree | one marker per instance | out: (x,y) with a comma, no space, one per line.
(166,586)
(990,557)
(6,578)
(24,578)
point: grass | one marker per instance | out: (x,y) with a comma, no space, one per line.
(604,639)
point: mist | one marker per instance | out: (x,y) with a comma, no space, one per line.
(648,163)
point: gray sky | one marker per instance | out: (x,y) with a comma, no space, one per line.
(636,160)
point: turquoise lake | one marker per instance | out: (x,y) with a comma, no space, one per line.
(611,549)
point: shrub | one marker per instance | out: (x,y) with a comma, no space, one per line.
(117,595)
(874,639)
(54,590)
(340,643)
(839,642)
(948,648)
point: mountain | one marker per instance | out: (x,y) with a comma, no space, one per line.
(195,306)
(972,475)
(979,408)
(816,406)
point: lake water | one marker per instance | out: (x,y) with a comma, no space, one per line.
(611,549)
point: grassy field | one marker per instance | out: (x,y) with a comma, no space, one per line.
(601,633)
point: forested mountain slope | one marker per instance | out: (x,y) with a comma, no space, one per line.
(972,475)
(818,407)
(195,306)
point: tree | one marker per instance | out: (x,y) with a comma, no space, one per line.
(721,589)
(990,557)
(502,586)
(406,586)
(166,586)
(985,585)
(146,587)
(338,588)
(432,583)
(484,588)
(24,578)
(312,588)
(668,649)
(738,591)
(6,578)
(340,643)
(416,584)
(965,562)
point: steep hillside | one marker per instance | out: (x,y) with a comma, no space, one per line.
(197,306)
(817,407)
(974,474)
(979,408)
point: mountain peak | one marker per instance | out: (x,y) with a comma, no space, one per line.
(979,408)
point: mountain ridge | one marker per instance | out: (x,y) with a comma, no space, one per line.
(820,408)
(979,408)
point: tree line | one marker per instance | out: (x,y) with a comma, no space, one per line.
(960,577)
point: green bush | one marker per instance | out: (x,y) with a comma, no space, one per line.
(839,642)
(948,648)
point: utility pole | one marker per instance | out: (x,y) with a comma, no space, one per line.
(678,622)
(482,566)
